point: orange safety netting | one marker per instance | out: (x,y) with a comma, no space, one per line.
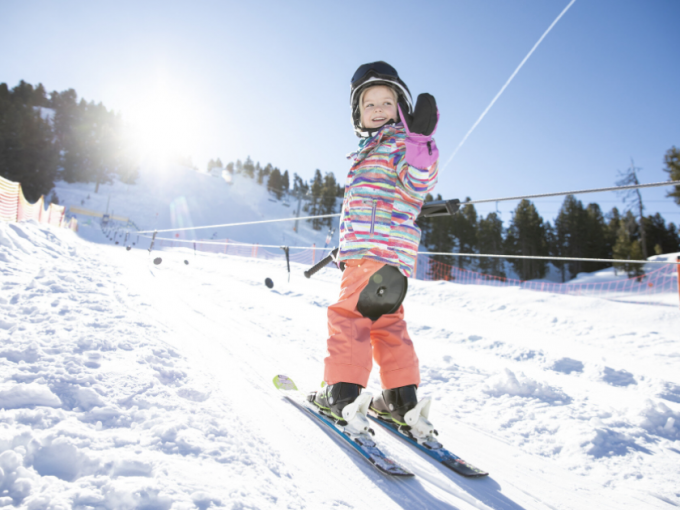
(15,207)
(662,280)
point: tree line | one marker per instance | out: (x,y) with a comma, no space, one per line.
(45,137)
(319,195)
(578,231)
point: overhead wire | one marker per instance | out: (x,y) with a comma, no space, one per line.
(487,200)
(512,76)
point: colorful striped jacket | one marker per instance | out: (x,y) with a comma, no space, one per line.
(383,197)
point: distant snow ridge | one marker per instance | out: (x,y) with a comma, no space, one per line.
(507,383)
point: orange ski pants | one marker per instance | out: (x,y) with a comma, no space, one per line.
(354,340)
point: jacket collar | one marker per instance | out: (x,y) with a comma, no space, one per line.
(367,144)
(379,134)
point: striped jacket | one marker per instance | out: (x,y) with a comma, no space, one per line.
(383,197)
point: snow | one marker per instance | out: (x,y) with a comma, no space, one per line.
(129,385)
(181,197)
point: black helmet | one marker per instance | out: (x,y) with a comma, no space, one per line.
(376,73)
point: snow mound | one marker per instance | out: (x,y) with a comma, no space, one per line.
(27,395)
(659,420)
(507,383)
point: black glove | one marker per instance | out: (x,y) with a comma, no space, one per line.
(424,117)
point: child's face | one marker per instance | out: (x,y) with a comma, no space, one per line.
(378,106)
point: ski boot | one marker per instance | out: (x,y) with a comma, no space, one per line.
(345,404)
(401,406)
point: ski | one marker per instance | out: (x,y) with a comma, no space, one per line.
(432,448)
(362,443)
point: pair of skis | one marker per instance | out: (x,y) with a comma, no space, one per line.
(363,443)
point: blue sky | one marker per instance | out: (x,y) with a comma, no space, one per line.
(271,80)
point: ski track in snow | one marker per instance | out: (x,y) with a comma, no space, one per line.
(129,385)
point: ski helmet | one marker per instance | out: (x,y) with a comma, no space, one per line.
(376,73)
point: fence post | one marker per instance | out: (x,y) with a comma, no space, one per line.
(16,217)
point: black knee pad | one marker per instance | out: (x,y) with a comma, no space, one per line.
(384,293)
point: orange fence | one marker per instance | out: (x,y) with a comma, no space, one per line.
(15,207)
(663,280)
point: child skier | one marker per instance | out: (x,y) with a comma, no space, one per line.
(392,171)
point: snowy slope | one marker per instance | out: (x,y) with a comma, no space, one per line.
(129,385)
(180,197)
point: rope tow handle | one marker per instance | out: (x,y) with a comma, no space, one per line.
(322,263)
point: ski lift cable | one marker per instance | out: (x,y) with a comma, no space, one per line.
(239,224)
(579,192)
(512,76)
(230,243)
(560,193)
(452,254)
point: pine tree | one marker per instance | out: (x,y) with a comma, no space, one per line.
(328,198)
(463,226)
(274,183)
(437,235)
(612,219)
(239,166)
(314,206)
(490,241)
(597,243)
(570,235)
(28,152)
(299,185)
(90,139)
(672,162)
(627,247)
(527,236)
(634,199)
(660,239)
(285,182)
(249,168)
(264,172)
(66,119)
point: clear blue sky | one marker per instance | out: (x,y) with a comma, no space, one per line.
(271,80)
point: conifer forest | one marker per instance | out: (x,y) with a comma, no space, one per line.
(49,137)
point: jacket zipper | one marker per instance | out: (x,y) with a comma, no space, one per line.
(375,206)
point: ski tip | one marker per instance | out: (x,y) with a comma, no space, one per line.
(396,472)
(283,382)
(463,468)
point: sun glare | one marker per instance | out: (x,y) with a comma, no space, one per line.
(164,125)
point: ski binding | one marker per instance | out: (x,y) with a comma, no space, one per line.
(354,428)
